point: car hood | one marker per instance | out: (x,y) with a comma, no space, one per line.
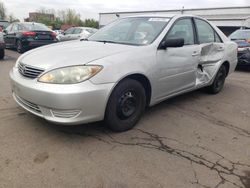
(71,53)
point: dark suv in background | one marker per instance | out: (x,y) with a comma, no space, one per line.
(28,35)
(242,38)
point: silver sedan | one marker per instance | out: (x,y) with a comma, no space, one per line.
(126,66)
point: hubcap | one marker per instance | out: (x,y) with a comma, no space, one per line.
(127,105)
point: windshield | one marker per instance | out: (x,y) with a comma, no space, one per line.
(240,34)
(35,27)
(132,31)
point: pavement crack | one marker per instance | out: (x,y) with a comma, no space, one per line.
(213,120)
(155,142)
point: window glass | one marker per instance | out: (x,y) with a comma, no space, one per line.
(217,38)
(240,34)
(15,28)
(69,31)
(132,31)
(77,31)
(205,32)
(30,26)
(182,29)
(9,28)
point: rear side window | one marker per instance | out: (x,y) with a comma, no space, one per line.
(77,31)
(69,31)
(35,27)
(182,29)
(206,34)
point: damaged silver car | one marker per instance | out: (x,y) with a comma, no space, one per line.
(126,66)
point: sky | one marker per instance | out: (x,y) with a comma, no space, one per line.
(92,8)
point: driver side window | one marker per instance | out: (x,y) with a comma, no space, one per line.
(182,29)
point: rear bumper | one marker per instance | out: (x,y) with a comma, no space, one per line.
(29,44)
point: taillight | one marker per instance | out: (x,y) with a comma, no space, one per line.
(29,34)
(248,40)
(53,34)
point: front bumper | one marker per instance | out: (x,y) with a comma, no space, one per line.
(63,104)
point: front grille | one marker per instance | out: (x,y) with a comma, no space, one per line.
(27,104)
(29,71)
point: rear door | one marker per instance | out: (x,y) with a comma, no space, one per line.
(212,51)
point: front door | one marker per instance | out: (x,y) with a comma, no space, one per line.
(177,66)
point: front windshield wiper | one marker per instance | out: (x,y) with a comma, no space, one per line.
(106,41)
(237,39)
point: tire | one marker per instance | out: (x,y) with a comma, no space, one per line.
(125,106)
(2,53)
(19,47)
(219,81)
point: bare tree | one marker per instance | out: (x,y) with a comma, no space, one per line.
(3,11)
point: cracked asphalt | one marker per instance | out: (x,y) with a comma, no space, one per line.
(194,140)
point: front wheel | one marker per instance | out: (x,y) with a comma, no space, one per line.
(219,81)
(125,106)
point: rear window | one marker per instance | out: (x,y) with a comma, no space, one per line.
(240,34)
(35,27)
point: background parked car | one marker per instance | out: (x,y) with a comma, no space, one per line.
(3,25)
(75,33)
(28,35)
(2,45)
(242,38)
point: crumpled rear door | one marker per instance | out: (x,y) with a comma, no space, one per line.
(210,57)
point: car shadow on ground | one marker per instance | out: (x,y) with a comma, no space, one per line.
(243,69)
(100,127)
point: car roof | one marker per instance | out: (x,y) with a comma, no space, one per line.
(161,16)
(85,27)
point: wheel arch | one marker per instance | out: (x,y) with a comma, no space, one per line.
(145,82)
(227,65)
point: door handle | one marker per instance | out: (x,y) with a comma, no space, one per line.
(221,49)
(195,54)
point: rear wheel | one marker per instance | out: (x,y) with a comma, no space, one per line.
(125,106)
(2,53)
(19,47)
(219,81)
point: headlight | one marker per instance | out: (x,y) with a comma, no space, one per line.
(70,75)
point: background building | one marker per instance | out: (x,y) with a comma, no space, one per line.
(228,19)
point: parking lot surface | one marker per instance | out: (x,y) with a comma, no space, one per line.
(193,140)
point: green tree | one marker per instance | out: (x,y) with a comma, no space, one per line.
(91,23)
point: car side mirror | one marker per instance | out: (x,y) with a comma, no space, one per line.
(172,43)
(5,31)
